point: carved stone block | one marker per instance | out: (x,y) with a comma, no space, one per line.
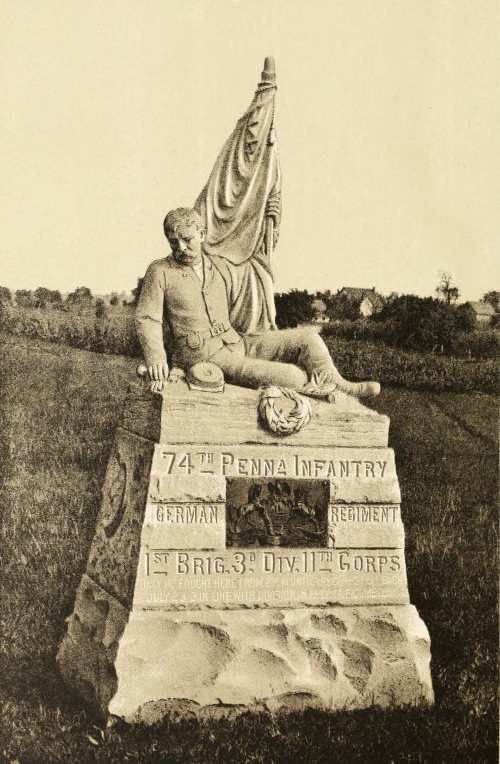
(232,567)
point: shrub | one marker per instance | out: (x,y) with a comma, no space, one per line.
(113,334)
(418,323)
(416,371)
(465,318)
(24,298)
(341,306)
(41,297)
(361,329)
(100,308)
(481,343)
(81,297)
(293,308)
(5,296)
(136,292)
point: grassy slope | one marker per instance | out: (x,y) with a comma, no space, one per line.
(59,408)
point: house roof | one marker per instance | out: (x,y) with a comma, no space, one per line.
(482,308)
(358,294)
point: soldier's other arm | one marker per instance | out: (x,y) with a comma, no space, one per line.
(149,324)
(273,211)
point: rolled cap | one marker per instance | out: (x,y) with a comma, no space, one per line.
(205,375)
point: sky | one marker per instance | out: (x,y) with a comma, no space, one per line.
(387,117)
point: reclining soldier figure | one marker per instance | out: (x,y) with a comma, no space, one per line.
(195,291)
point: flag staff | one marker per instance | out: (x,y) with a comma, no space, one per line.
(269,76)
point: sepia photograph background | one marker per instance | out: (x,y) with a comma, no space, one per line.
(387,120)
(386,116)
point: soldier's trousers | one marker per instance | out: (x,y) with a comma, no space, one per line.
(284,357)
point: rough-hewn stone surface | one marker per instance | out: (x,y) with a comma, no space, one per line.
(343,657)
(88,652)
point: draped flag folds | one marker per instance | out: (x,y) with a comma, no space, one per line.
(241,205)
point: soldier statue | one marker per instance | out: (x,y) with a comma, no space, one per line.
(195,293)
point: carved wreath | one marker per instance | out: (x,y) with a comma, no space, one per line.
(271,404)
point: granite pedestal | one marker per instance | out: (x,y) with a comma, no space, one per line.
(233,568)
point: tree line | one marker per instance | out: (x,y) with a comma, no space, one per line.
(43,298)
(405,321)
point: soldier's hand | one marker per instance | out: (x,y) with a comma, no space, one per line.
(273,208)
(176,374)
(158,374)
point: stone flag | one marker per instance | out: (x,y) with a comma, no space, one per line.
(234,202)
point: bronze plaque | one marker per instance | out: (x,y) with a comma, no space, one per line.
(282,513)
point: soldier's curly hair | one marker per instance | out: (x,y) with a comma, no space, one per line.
(182,215)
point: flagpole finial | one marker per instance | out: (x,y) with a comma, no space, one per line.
(269,71)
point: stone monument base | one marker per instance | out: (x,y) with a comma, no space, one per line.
(234,569)
(149,664)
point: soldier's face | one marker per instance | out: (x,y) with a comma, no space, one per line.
(186,243)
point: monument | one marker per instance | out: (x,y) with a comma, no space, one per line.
(249,551)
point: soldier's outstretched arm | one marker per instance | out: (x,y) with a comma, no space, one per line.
(149,325)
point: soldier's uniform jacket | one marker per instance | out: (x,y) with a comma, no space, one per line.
(198,313)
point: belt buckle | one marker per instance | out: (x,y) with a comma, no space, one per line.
(217,329)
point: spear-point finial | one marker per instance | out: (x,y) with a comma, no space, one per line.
(269,71)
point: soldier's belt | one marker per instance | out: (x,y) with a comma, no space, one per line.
(196,340)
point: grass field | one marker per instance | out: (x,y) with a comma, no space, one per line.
(58,411)
(366,357)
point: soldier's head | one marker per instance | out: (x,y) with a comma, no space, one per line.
(185,233)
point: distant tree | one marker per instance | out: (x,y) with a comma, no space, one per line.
(100,308)
(81,297)
(5,296)
(293,308)
(5,301)
(465,318)
(493,298)
(446,288)
(24,298)
(341,306)
(55,297)
(418,323)
(391,297)
(326,296)
(41,297)
(114,299)
(136,292)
